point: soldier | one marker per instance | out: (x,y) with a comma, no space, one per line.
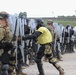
(19,61)
(68,38)
(74,36)
(17,22)
(50,26)
(56,38)
(23,15)
(5,42)
(51,29)
(32,46)
(7,51)
(44,38)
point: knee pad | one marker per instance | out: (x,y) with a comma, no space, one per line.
(53,60)
(48,50)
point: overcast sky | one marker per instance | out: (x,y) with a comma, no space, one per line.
(40,8)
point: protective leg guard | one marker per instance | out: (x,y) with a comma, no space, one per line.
(5,69)
(39,65)
(53,61)
(61,70)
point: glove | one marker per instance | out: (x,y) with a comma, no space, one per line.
(24,38)
(13,49)
(28,37)
(2,45)
(8,46)
(14,38)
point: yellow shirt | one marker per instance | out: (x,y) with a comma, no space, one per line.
(45,37)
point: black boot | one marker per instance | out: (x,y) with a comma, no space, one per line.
(40,68)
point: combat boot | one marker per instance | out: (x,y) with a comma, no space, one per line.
(40,69)
(39,74)
(61,71)
(21,73)
(31,62)
(12,73)
(18,74)
(24,73)
(45,59)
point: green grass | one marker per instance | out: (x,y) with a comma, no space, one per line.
(64,23)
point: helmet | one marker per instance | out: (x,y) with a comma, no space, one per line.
(25,13)
(4,15)
(22,14)
(40,22)
(67,26)
(49,22)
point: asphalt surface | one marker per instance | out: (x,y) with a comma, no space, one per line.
(68,64)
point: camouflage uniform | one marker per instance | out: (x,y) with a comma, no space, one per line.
(56,52)
(5,43)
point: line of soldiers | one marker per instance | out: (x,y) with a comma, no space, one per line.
(13,45)
(65,37)
(8,60)
(19,38)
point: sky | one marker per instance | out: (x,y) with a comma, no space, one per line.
(40,8)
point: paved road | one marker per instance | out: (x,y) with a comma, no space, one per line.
(68,63)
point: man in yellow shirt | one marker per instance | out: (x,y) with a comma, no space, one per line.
(44,38)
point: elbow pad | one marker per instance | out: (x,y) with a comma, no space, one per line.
(37,34)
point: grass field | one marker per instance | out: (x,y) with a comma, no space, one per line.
(64,23)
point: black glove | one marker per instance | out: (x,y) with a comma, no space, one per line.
(13,49)
(24,38)
(2,46)
(8,46)
(14,38)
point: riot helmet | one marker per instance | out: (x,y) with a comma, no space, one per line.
(4,18)
(40,22)
(67,26)
(23,15)
(49,22)
(4,15)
